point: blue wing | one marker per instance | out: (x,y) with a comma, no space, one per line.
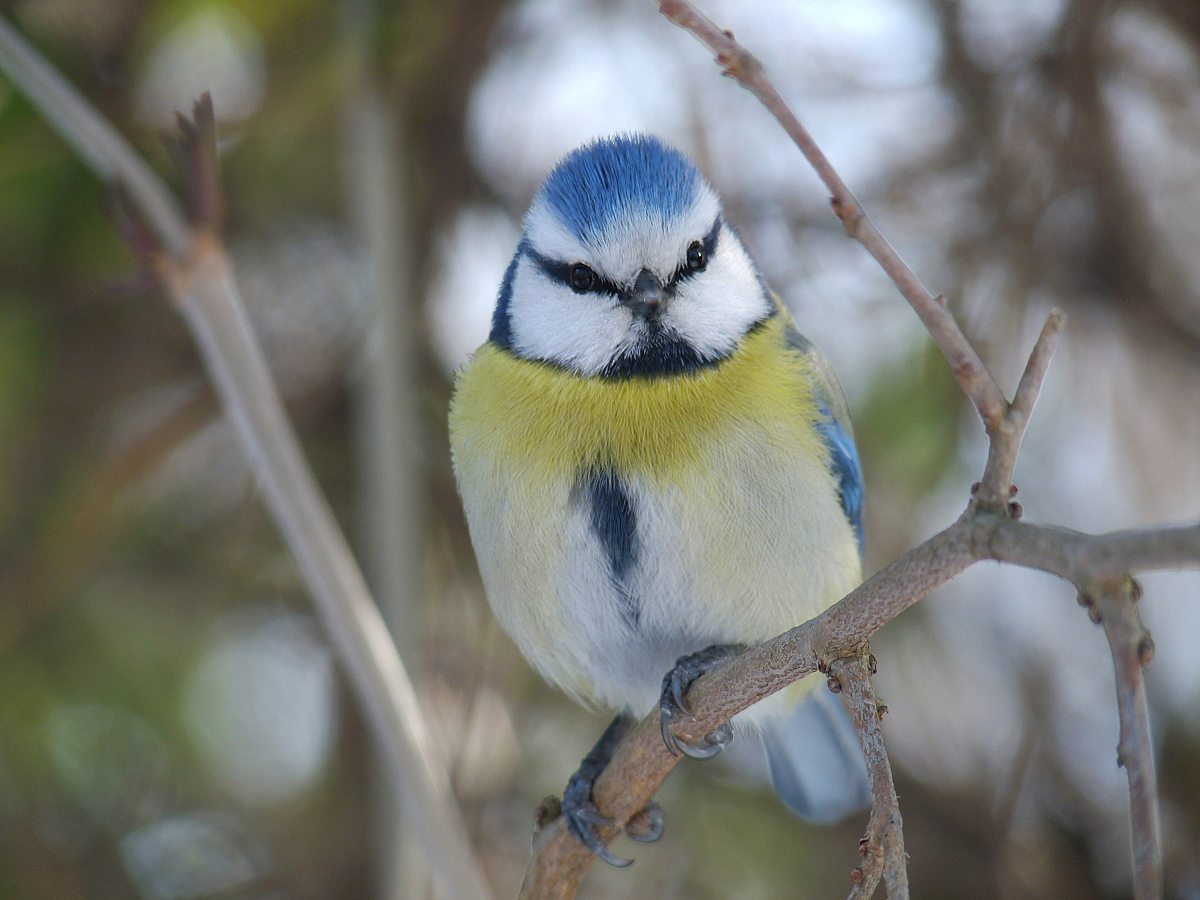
(835,428)
(843,461)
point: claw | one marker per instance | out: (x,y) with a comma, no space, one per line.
(583,819)
(664,727)
(589,814)
(678,687)
(675,685)
(580,812)
(585,833)
(652,829)
(714,743)
(602,851)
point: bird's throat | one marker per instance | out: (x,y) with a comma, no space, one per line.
(549,421)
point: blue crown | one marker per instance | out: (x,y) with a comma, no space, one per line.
(601,180)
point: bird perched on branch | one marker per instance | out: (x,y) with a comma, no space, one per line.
(657,468)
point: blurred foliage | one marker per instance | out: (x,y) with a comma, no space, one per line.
(911,412)
(116,588)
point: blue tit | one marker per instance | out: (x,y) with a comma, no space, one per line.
(657,469)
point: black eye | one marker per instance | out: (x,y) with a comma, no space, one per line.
(695,257)
(583,279)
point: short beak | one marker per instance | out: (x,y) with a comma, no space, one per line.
(648,297)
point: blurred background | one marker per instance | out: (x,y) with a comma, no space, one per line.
(173,725)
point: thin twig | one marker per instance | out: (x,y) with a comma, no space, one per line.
(197,274)
(1030,384)
(748,71)
(883,846)
(1132,650)
(205,292)
(995,491)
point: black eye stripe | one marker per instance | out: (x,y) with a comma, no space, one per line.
(561,272)
(709,243)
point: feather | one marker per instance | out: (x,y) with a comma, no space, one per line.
(816,762)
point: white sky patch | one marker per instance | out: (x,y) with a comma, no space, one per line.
(187,857)
(215,50)
(582,74)
(842,302)
(817,46)
(564,84)
(1002,34)
(261,706)
(472,258)
(1173,617)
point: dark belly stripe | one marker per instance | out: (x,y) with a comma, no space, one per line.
(614,521)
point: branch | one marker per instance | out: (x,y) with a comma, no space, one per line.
(642,762)
(849,624)
(1080,558)
(1132,649)
(1005,434)
(197,274)
(883,846)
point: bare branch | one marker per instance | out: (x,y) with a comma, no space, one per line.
(746,69)
(205,292)
(1132,649)
(850,623)
(883,846)
(995,488)
(1079,557)
(1035,370)
(197,274)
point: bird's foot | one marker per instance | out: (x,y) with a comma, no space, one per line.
(579,810)
(687,669)
(583,818)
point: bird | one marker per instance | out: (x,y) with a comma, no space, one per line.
(658,470)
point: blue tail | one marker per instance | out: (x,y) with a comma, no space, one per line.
(816,761)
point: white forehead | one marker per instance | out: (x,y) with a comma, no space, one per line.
(636,237)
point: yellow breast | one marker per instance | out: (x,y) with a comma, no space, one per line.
(551,423)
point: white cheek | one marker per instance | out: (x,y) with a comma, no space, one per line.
(551,322)
(713,309)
